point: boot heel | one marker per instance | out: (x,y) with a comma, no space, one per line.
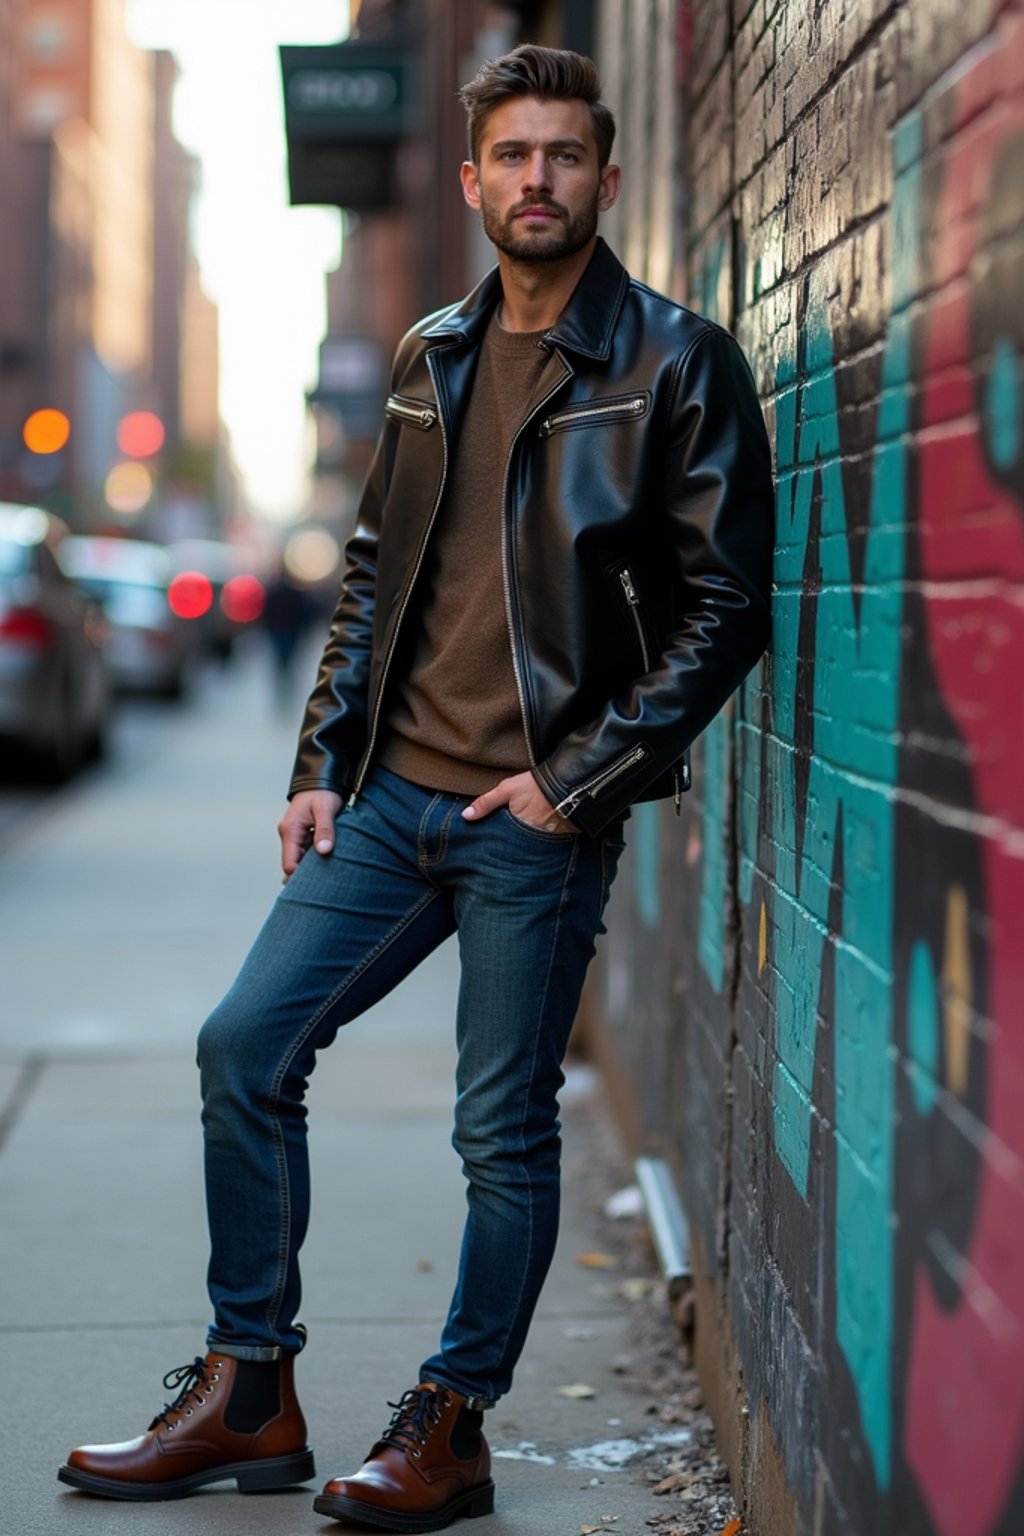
(276,1472)
(482,1503)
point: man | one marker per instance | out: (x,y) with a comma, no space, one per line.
(560,573)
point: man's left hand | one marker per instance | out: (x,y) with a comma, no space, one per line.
(526,802)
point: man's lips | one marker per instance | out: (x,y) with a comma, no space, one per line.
(538,211)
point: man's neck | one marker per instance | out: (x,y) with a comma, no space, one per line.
(536,292)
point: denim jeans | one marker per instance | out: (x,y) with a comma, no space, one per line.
(407,870)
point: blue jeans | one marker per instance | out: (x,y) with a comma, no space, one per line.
(406,872)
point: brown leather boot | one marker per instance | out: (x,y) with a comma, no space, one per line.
(229,1419)
(430,1466)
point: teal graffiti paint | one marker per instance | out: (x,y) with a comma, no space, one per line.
(715,741)
(923,1028)
(850,794)
(748,777)
(644,843)
(1003,405)
(711,922)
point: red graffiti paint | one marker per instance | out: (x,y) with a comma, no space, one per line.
(965,1393)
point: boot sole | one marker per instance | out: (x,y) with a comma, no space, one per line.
(250,1476)
(474,1502)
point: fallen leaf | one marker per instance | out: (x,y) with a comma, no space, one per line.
(578,1389)
(673,1482)
(597,1260)
(734,1528)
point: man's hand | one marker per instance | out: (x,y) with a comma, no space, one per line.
(525,800)
(309,820)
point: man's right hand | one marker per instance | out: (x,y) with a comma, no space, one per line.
(308,822)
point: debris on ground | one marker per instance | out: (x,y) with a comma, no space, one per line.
(597,1260)
(688,1480)
(625,1203)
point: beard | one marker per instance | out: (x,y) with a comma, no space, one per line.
(567,235)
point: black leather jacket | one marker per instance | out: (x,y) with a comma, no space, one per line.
(637,543)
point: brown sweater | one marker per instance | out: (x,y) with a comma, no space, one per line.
(455,721)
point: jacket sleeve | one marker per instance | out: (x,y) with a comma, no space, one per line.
(334,730)
(718,501)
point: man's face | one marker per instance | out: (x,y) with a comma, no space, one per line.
(538,186)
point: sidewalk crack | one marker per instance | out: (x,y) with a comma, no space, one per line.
(25,1085)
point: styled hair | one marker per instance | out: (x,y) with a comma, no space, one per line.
(551,74)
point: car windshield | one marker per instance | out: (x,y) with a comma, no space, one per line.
(13,558)
(127,602)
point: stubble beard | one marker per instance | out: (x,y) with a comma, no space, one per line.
(567,236)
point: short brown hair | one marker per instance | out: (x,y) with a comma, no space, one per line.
(551,74)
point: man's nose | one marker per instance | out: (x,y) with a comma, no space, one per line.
(537,173)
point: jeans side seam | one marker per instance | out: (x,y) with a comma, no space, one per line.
(273,1098)
(570,869)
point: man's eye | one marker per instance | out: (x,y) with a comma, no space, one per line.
(567,154)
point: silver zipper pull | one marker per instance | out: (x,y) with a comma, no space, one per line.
(628,587)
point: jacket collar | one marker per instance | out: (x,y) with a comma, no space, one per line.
(586,324)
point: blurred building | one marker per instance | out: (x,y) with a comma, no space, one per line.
(99,314)
(410,244)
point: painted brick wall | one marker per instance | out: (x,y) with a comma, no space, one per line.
(815,980)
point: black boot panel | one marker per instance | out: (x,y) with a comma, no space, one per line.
(255,1396)
(465,1441)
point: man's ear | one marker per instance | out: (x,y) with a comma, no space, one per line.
(609,188)
(470,183)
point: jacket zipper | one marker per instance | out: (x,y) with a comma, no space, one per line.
(422,416)
(506,583)
(625,408)
(364,765)
(634,605)
(596,785)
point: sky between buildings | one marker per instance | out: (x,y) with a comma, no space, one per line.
(262,261)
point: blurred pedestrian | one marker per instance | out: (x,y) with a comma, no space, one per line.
(288,614)
(560,572)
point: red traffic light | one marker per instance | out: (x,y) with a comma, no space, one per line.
(140,434)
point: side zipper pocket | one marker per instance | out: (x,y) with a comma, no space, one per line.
(633,599)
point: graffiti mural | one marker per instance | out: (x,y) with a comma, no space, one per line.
(857,870)
(880,845)
(965,1384)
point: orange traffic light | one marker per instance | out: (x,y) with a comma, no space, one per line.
(46,431)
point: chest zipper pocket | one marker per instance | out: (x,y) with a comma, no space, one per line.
(413,413)
(633,599)
(597,413)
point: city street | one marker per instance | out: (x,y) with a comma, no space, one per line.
(126,903)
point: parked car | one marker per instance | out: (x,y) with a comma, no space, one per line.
(54,685)
(236,595)
(150,647)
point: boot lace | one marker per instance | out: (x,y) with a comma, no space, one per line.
(416,1413)
(188,1379)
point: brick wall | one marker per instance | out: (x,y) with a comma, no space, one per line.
(815,981)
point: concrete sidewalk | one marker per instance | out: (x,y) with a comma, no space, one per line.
(124,911)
